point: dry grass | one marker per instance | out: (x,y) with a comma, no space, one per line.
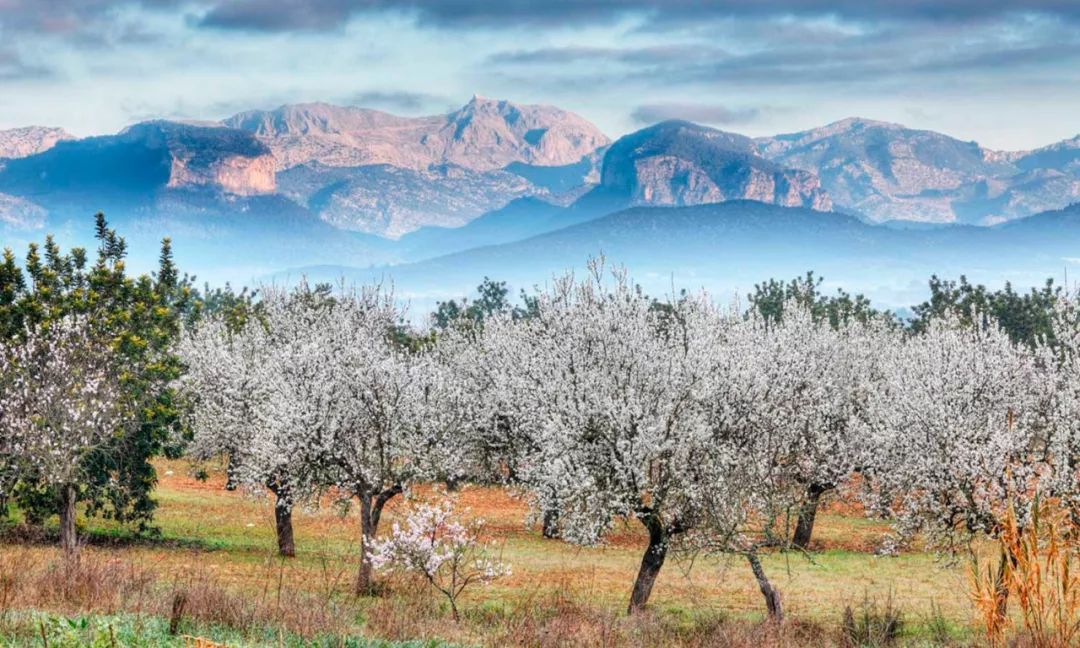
(217,548)
(101,583)
(1039,574)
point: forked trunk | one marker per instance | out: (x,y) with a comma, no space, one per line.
(69,539)
(804,528)
(370,511)
(651,563)
(772,595)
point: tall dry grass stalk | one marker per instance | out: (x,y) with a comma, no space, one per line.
(1039,569)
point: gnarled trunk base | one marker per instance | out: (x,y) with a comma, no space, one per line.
(651,563)
(772,595)
(551,524)
(283,526)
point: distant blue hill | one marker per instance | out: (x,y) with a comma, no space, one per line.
(726,248)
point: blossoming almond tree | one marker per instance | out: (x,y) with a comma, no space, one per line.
(61,402)
(230,380)
(609,385)
(349,407)
(436,545)
(798,386)
(386,436)
(784,399)
(308,395)
(957,426)
(1063,432)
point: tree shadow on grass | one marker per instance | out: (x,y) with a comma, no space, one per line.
(26,534)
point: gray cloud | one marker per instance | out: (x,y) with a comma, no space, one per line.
(13,67)
(886,56)
(653,55)
(278,15)
(70,16)
(695,112)
(63,17)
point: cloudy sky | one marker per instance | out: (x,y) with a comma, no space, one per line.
(1003,72)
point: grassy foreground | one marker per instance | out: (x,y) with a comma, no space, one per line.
(215,561)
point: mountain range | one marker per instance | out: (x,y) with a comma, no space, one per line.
(515,190)
(888,172)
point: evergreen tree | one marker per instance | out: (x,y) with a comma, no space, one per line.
(138,318)
(770,297)
(1026,317)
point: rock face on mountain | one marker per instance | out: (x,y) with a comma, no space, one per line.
(483,135)
(21,142)
(144,159)
(225,159)
(887,171)
(676,163)
(391,201)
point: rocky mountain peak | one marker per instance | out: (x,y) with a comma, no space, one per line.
(310,119)
(679,163)
(29,140)
(144,158)
(891,172)
(483,135)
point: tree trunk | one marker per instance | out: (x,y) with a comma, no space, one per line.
(69,539)
(367,532)
(283,523)
(551,524)
(370,511)
(651,563)
(771,594)
(230,473)
(804,528)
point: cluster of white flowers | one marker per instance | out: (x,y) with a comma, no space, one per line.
(717,429)
(435,545)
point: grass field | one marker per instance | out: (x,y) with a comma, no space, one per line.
(217,547)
